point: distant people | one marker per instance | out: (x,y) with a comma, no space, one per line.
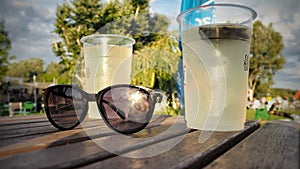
(256,103)
(269,97)
(285,103)
(278,102)
(263,101)
(296,104)
(269,104)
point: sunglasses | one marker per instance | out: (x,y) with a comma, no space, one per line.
(124,108)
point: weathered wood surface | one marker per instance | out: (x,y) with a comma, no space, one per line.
(274,145)
(189,153)
(31,142)
(21,134)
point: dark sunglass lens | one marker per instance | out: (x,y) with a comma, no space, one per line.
(66,106)
(127,109)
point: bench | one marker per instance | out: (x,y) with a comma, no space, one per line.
(14,107)
(32,142)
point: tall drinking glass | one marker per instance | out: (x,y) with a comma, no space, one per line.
(216,57)
(107,60)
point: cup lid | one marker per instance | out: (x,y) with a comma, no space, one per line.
(203,7)
(107,38)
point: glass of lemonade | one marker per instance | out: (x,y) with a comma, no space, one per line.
(216,47)
(107,59)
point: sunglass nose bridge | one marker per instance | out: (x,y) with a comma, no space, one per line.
(91,97)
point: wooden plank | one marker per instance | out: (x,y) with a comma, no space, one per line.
(22,133)
(39,139)
(32,129)
(42,137)
(77,154)
(10,123)
(189,153)
(28,125)
(21,119)
(31,123)
(50,140)
(20,130)
(275,145)
(46,158)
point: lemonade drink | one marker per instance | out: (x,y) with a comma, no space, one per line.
(107,61)
(231,44)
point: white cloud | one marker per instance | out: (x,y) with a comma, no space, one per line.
(41,29)
(34,48)
(287,84)
(20,4)
(293,72)
(289,75)
(30,28)
(168,7)
(295,25)
(289,28)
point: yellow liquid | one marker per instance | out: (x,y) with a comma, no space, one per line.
(198,58)
(105,66)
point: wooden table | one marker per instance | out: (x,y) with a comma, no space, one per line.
(31,142)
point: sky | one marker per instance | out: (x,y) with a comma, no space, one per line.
(30,26)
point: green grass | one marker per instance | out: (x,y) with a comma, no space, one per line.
(250,115)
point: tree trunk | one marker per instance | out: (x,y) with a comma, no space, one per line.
(252,85)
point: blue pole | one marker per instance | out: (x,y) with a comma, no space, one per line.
(185,5)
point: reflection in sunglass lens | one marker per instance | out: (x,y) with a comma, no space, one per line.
(127,109)
(66,106)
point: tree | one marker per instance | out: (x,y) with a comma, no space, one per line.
(155,66)
(5,46)
(266,57)
(26,69)
(74,21)
(80,18)
(142,5)
(55,71)
(289,93)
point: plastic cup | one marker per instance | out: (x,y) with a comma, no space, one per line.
(107,60)
(216,47)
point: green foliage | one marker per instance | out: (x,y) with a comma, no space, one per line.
(143,5)
(55,71)
(282,92)
(26,69)
(74,21)
(80,18)
(155,66)
(267,59)
(5,46)
(250,115)
(168,111)
(35,66)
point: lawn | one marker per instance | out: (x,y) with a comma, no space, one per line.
(251,115)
